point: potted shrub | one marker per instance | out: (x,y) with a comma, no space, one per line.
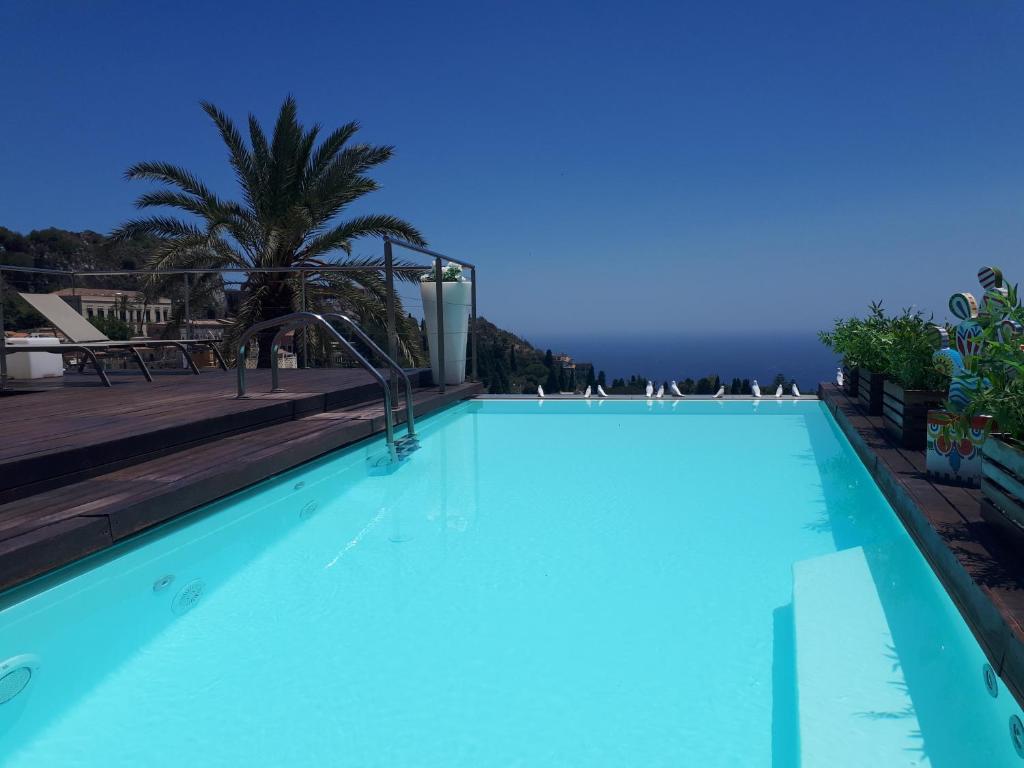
(839,341)
(914,383)
(457,297)
(862,344)
(1002,454)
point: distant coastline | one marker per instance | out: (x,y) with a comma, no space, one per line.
(797,356)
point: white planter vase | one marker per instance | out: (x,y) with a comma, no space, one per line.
(456,300)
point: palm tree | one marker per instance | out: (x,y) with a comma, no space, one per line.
(293,192)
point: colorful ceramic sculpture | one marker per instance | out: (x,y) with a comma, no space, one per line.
(954,452)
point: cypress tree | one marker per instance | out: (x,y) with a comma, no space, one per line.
(551,385)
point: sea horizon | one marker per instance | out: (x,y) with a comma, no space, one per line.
(798,356)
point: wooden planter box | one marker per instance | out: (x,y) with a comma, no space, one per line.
(869,391)
(905,413)
(850,378)
(1002,485)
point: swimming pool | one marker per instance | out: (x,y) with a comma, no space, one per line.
(544,583)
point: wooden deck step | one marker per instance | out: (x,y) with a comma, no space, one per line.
(56,438)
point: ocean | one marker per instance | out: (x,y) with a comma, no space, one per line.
(678,356)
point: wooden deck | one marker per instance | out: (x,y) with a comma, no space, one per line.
(56,437)
(982,573)
(83,468)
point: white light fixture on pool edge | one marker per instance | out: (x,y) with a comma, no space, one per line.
(15,675)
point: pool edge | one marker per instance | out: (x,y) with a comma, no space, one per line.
(985,592)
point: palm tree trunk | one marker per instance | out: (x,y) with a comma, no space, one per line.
(277,302)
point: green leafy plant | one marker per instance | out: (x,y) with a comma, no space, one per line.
(861,342)
(909,352)
(1001,396)
(112,328)
(450,273)
(900,346)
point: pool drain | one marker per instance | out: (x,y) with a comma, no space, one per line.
(307,511)
(188,596)
(991,681)
(15,675)
(1017,734)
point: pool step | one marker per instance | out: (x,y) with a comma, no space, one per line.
(854,708)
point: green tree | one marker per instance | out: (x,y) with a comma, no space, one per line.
(552,384)
(293,190)
(112,327)
(708,385)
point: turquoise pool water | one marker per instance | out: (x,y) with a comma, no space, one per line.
(542,584)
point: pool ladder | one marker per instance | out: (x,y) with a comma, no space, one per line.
(398,449)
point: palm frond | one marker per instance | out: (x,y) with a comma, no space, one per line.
(293,189)
(329,149)
(168,173)
(240,157)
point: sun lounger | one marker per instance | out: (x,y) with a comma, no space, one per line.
(86,338)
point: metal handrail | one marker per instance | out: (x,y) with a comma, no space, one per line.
(298,320)
(302,270)
(410,419)
(438,303)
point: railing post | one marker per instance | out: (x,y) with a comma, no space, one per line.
(275,376)
(188,312)
(305,335)
(439,293)
(389,288)
(240,360)
(472,320)
(3,338)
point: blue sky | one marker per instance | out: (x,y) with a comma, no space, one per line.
(627,167)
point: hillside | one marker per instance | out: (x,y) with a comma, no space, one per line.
(60,249)
(511,364)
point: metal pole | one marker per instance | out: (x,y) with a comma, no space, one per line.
(389,287)
(472,320)
(3,338)
(187,310)
(439,293)
(305,336)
